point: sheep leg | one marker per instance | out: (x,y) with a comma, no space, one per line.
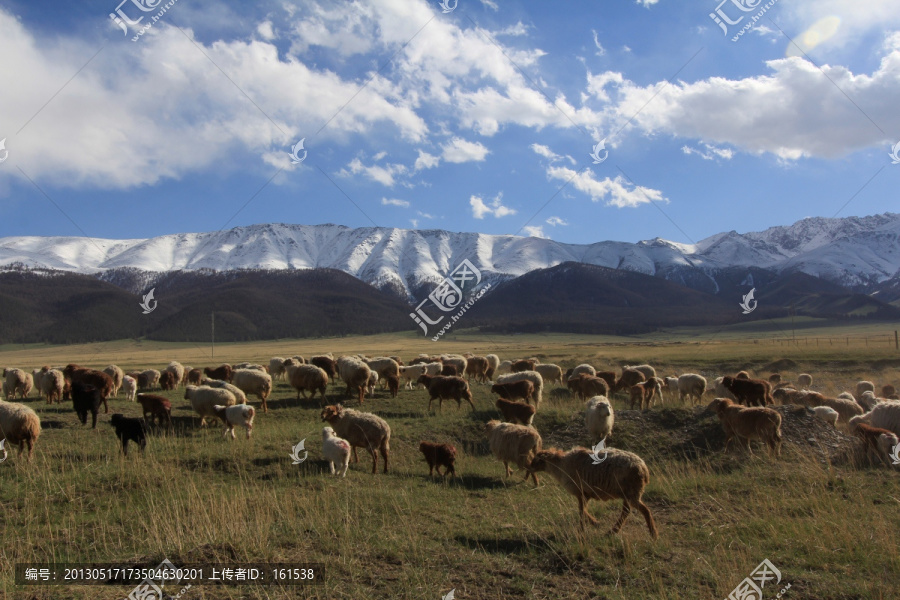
(355,455)
(582,510)
(508,470)
(105,406)
(626,510)
(648,516)
(331,466)
(384,455)
(374,460)
(470,404)
(265,406)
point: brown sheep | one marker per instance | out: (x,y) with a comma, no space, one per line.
(750,392)
(223,372)
(526,364)
(437,456)
(98,379)
(477,367)
(516,412)
(517,444)
(628,378)
(585,386)
(609,377)
(449,371)
(157,407)
(641,394)
(448,388)
(517,389)
(393,384)
(869,436)
(168,380)
(326,363)
(748,423)
(194,376)
(621,475)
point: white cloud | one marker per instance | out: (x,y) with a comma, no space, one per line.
(554,221)
(266,31)
(491,5)
(534,231)
(379,156)
(495,207)
(614,192)
(709,152)
(600,50)
(459,150)
(426,161)
(415,223)
(545,151)
(424,215)
(518,29)
(385,175)
(394,202)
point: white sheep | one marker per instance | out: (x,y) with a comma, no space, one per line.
(599,417)
(116,373)
(804,380)
(152,376)
(503,368)
(237,414)
(336,451)
(178,369)
(37,376)
(204,400)
(19,425)
(355,373)
(411,373)
(690,386)
(583,368)
(53,383)
(218,383)
(251,381)
(129,384)
(517,444)
(384,366)
(14,381)
(721,391)
(648,371)
(276,367)
(827,414)
(885,415)
(373,380)
(533,376)
(361,430)
(455,360)
(550,373)
(864,386)
(493,364)
(868,400)
(888,447)
(308,378)
(671,386)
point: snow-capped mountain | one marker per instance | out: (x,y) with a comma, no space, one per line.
(853,252)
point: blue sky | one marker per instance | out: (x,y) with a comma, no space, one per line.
(479,119)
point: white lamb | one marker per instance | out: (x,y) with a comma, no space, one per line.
(827,414)
(599,417)
(129,384)
(237,414)
(336,451)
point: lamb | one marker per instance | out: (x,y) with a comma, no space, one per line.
(691,386)
(168,380)
(748,423)
(129,429)
(523,365)
(749,392)
(223,372)
(493,365)
(516,412)
(476,367)
(98,379)
(804,380)
(116,374)
(158,407)
(437,456)
(621,475)
(19,425)
(194,376)
(335,450)
(238,414)
(533,376)
(550,373)
(885,415)
(251,381)
(52,384)
(827,414)
(641,394)
(511,391)
(846,409)
(393,384)
(412,373)
(224,385)
(86,398)
(276,367)
(14,382)
(151,377)
(129,385)
(308,378)
(629,378)
(204,400)
(361,430)
(327,364)
(864,386)
(517,444)
(599,418)
(355,373)
(448,388)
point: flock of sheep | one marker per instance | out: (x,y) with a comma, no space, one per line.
(742,403)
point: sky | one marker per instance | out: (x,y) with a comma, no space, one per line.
(580,121)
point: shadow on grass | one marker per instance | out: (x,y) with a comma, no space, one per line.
(524,545)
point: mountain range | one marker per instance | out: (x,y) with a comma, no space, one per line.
(277,280)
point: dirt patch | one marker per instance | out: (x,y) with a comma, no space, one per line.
(783,364)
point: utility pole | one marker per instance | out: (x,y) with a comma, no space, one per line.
(213,319)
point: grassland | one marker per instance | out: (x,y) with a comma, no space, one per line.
(195,497)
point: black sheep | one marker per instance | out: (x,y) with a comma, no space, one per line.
(86,398)
(129,428)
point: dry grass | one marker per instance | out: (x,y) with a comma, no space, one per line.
(830,529)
